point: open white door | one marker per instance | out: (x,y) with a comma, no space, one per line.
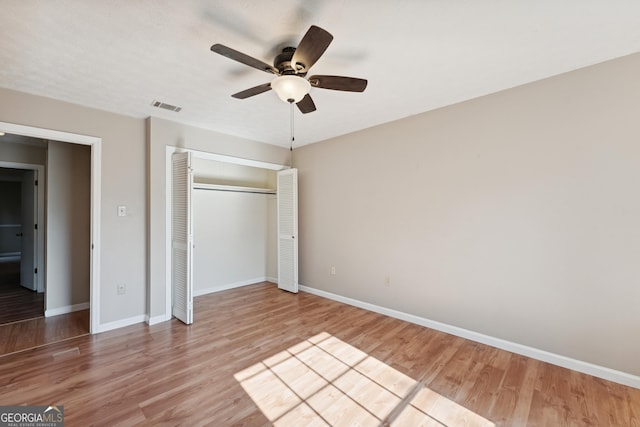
(28,253)
(182,237)
(288,230)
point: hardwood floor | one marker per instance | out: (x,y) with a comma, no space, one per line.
(257,356)
(26,334)
(16,302)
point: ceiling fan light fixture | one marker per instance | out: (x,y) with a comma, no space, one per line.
(290,88)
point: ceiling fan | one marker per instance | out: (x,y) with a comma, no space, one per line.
(291,67)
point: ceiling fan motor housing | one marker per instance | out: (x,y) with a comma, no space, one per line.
(283,63)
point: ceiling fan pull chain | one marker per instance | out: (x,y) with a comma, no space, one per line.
(292,134)
(291,119)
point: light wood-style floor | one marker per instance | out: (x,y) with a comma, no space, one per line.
(257,356)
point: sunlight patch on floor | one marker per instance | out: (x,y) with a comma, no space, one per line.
(324,381)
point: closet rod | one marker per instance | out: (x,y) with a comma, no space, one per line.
(233,189)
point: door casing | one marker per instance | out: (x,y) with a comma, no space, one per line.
(96,173)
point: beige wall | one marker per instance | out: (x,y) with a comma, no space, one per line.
(207,171)
(22,153)
(160,135)
(123,240)
(68,224)
(514,215)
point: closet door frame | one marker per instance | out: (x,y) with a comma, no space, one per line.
(168,207)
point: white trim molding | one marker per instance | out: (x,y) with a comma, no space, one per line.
(156,319)
(104,327)
(235,160)
(200,292)
(66,309)
(535,353)
(43,133)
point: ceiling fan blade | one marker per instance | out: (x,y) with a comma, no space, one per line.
(252,91)
(311,47)
(242,58)
(349,84)
(306,105)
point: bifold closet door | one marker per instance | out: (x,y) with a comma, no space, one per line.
(182,237)
(288,230)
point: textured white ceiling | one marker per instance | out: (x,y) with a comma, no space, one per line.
(418,55)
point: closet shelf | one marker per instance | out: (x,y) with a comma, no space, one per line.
(233,188)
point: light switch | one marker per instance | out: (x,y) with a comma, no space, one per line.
(122,211)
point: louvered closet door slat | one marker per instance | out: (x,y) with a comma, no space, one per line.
(288,230)
(181,237)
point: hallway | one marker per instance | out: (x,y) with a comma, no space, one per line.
(17,303)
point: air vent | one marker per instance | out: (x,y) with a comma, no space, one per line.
(166,106)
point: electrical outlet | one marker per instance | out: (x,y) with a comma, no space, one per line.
(122,289)
(122,211)
(333,270)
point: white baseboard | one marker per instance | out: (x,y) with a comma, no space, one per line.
(157,319)
(199,292)
(545,356)
(66,309)
(272,280)
(104,327)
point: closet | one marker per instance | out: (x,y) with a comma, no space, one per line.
(234,226)
(232,212)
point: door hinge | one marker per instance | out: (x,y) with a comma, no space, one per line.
(36,183)
(35,226)
(36,270)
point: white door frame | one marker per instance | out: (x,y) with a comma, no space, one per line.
(96,160)
(39,215)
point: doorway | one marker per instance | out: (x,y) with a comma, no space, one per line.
(92,246)
(21,242)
